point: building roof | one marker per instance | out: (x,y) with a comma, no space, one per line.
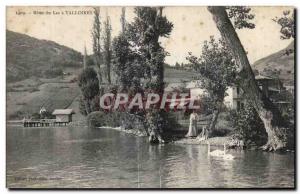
(262,77)
(63,112)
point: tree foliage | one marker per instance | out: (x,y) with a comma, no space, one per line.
(123,20)
(248,126)
(126,62)
(216,68)
(89,86)
(144,33)
(107,48)
(217,71)
(137,51)
(287,23)
(96,35)
(82,107)
(139,57)
(240,16)
(88,83)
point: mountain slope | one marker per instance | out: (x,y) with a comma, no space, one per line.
(279,64)
(27,56)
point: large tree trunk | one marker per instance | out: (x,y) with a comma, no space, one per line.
(269,114)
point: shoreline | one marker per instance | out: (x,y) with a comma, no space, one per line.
(215,141)
(128,131)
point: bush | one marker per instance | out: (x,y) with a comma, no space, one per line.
(96,119)
(248,126)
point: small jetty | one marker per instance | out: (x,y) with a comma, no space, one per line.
(44,123)
(63,118)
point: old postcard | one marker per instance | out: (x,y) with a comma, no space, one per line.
(150,97)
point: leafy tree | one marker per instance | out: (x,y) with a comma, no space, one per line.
(217,71)
(107,48)
(89,85)
(146,29)
(97,49)
(126,62)
(274,123)
(139,58)
(121,60)
(144,32)
(123,20)
(84,58)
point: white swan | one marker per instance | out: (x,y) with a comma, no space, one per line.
(219,153)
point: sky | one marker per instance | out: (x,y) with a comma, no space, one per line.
(71,26)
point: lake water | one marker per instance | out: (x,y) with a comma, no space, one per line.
(78,157)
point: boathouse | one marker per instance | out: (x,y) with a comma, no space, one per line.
(63,115)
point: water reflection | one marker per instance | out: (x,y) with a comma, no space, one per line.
(82,157)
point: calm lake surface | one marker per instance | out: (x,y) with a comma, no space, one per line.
(78,157)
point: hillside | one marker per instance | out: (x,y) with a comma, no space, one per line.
(178,75)
(279,64)
(32,77)
(27,56)
(28,86)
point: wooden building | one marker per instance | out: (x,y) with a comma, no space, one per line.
(63,115)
